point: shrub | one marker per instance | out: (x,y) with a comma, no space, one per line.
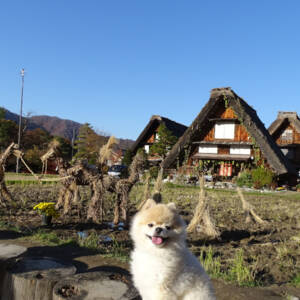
(245,179)
(262,177)
(127,159)
(154,172)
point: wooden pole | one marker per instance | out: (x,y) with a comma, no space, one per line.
(20,118)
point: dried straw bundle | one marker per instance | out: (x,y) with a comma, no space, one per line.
(202,220)
(248,209)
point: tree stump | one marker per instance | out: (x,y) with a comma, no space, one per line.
(7,253)
(102,285)
(33,278)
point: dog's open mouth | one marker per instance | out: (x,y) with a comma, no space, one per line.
(157,240)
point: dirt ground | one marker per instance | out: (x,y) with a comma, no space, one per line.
(271,252)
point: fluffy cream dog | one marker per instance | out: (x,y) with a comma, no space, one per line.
(162,266)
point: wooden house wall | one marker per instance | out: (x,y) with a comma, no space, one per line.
(240,135)
(223,149)
(151,139)
(296,136)
(295,142)
(228,113)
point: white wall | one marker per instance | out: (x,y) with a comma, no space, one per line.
(244,150)
(208,149)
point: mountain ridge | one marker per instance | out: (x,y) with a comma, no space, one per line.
(57,126)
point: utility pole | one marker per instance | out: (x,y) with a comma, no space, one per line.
(72,143)
(20,117)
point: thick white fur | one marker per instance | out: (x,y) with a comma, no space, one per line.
(169,271)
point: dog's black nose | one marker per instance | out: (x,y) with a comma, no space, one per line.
(158,229)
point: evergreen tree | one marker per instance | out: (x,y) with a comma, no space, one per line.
(65,147)
(164,142)
(127,159)
(2,113)
(88,143)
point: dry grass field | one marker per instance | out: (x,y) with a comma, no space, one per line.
(245,255)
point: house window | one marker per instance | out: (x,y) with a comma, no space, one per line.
(224,131)
(147,148)
(208,149)
(241,150)
(287,136)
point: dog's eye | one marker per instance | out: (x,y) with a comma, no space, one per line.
(150,225)
(168,227)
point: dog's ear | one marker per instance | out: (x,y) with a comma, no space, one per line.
(172,205)
(148,204)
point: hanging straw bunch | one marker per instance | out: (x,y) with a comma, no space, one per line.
(136,167)
(158,187)
(146,194)
(52,149)
(157,197)
(106,150)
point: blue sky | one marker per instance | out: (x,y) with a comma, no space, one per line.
(114,63)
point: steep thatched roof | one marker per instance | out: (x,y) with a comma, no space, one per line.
(177,130)
(248,118)
(285,118)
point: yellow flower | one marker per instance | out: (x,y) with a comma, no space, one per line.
(46,208)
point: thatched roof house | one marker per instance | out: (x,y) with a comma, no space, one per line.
(227,130)
(285,130)
(149,134)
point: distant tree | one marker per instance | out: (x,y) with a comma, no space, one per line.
(32,157)
(65,147)
(2,113)
(127,159)
(164,142)
(88,143)
(8,133)
(36,137)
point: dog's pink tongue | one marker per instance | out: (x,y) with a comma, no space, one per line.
(157,240)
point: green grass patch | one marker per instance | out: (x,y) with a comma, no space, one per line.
(118,251)
(6,226)
(90,242)
(48,238)
(25,179)
(13,174)
(296,280)
(29,182)
(238,272)
(211,264)
(112,249)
